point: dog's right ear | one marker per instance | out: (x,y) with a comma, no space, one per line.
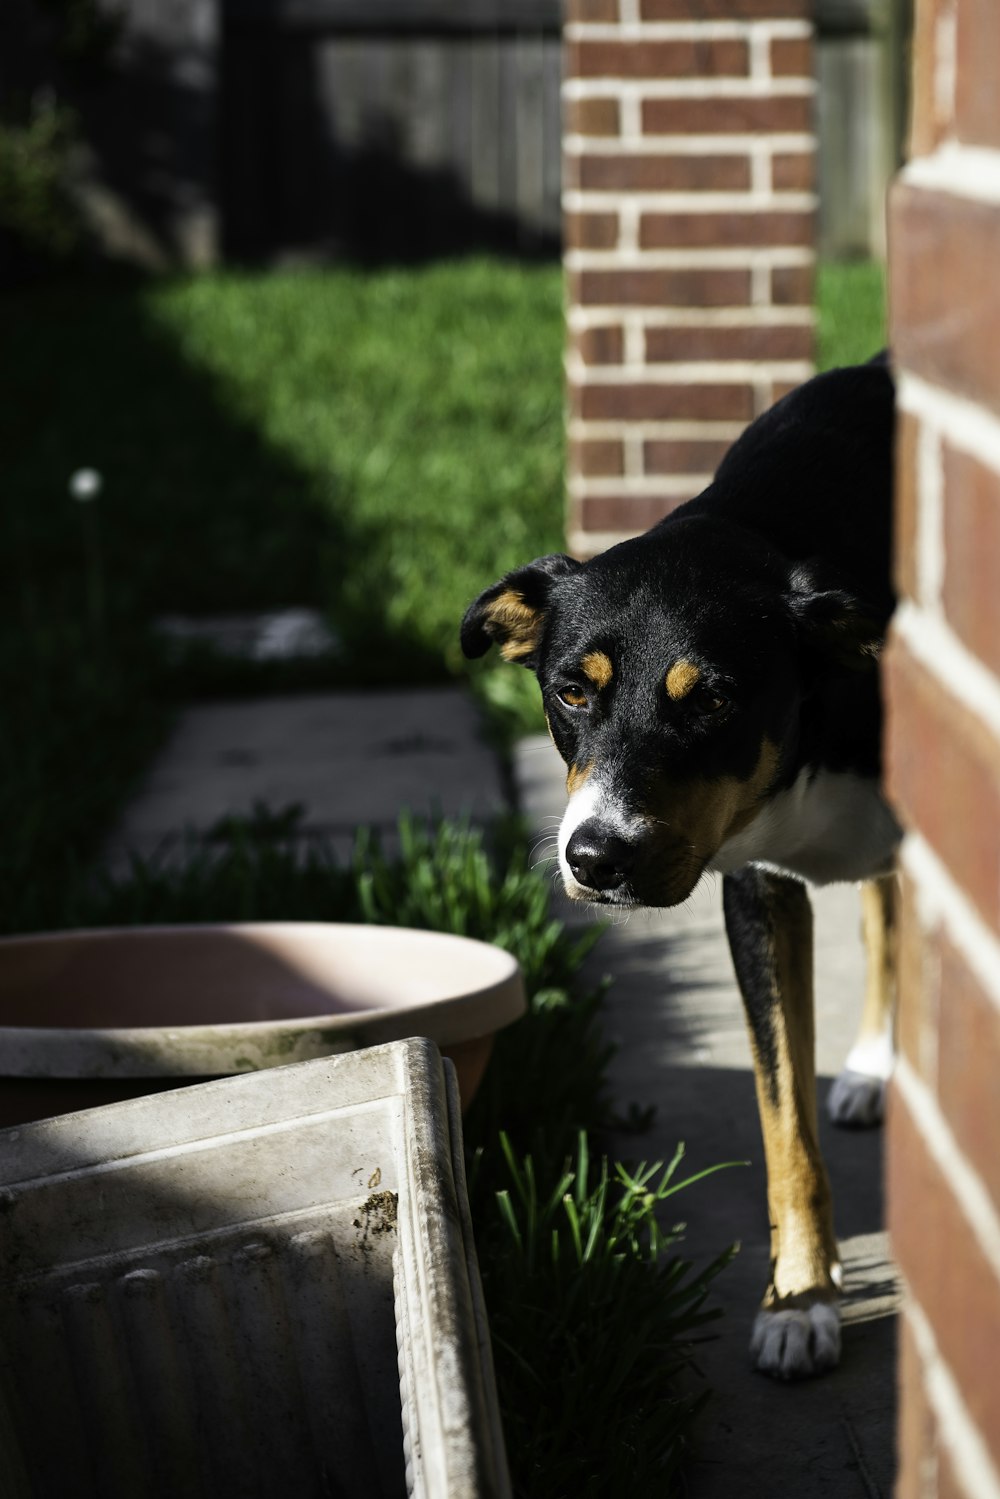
(511,614)
(840,627)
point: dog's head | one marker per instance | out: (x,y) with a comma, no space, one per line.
(673,671)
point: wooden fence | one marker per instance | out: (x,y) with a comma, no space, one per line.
(862,106)
(382,128)
(405,127)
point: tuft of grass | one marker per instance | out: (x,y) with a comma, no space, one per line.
(593,1317)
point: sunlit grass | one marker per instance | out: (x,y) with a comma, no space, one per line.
(851,310)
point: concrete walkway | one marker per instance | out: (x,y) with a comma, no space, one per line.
(355,758)
(349,758)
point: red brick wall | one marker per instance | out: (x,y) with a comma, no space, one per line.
(689,232)
(943,682)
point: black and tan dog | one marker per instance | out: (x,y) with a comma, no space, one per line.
(713,688)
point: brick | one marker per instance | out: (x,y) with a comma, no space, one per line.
(977,119)
(596,457)
(624,513)
(775,114)
(947,1271)
(725,10)
(905,554)
(684,455)
(669,173)
(660,231)
(792,57)
(919,979)
(792,285)
(949,1485)
(944,776)
(590,231)
(636,402)
(638,59)
(793,171)
(788,341)
(593,117)
(917,1430)
(930,121)
(969,1065)
(972,548)
(604,12)
(925,1470)
(945,315)
(660,288)
(600,345)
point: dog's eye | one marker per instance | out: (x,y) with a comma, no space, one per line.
(572,696)
(708,700)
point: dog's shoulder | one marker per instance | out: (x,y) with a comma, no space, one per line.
(812,477)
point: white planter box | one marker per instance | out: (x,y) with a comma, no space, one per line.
(202,1290)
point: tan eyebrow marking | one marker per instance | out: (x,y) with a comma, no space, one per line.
(597,666)
(681,677)
(577,775)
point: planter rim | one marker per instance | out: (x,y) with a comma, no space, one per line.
(482,992)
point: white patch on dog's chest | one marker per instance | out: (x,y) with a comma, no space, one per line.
(826,827)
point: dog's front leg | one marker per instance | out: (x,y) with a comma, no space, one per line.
(769,924)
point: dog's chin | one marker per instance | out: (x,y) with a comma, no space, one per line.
(658,885)
(661,900)
(633,895)
(623,898)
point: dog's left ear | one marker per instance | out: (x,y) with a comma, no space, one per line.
(839,626)
(511,614)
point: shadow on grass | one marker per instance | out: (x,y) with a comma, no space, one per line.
(198,513)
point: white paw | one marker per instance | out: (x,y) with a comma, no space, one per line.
(796,1344)
(856,1100)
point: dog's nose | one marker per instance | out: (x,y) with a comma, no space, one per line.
(600,860)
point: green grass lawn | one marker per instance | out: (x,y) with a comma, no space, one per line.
(371,443)
(377,444)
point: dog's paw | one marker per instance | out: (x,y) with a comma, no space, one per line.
(856,1100)
(797,1343)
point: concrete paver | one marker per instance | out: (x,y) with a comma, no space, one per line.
(675,1014)
(350,758)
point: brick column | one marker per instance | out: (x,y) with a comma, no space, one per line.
(689,232)
(944,757)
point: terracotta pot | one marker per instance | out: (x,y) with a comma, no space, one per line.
(92,1017)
